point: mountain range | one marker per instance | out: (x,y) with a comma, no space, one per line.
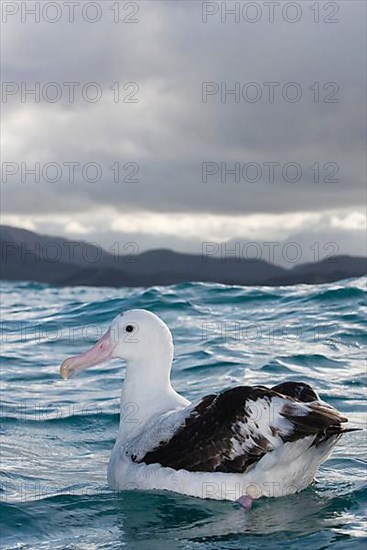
(28,256)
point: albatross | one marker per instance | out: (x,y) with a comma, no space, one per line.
(240,444)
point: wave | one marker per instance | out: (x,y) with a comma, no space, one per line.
(60,434)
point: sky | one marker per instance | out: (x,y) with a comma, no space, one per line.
(176,123)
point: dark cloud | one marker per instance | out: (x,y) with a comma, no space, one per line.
(170,132)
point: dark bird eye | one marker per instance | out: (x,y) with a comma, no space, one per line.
(129,328)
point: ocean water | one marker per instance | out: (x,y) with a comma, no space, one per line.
(57,435)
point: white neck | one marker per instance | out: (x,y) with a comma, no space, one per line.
(146,391)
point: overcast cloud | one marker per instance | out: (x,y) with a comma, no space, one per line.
(169,140)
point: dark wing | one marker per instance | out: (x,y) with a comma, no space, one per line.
(233,430)
(299,390)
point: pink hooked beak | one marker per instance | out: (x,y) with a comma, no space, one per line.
(99,353)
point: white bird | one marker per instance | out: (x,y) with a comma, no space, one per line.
(241,444)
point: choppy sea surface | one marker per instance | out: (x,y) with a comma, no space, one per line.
(57,435)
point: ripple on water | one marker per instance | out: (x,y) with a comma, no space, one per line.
(57,436)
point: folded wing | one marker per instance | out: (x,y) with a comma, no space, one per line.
(232,431)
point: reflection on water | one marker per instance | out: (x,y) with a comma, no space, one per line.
(167,520)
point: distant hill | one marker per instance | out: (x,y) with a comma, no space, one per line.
(27,256)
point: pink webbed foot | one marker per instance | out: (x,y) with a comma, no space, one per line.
(245,501)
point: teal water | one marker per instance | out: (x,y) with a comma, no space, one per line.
(57,435)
